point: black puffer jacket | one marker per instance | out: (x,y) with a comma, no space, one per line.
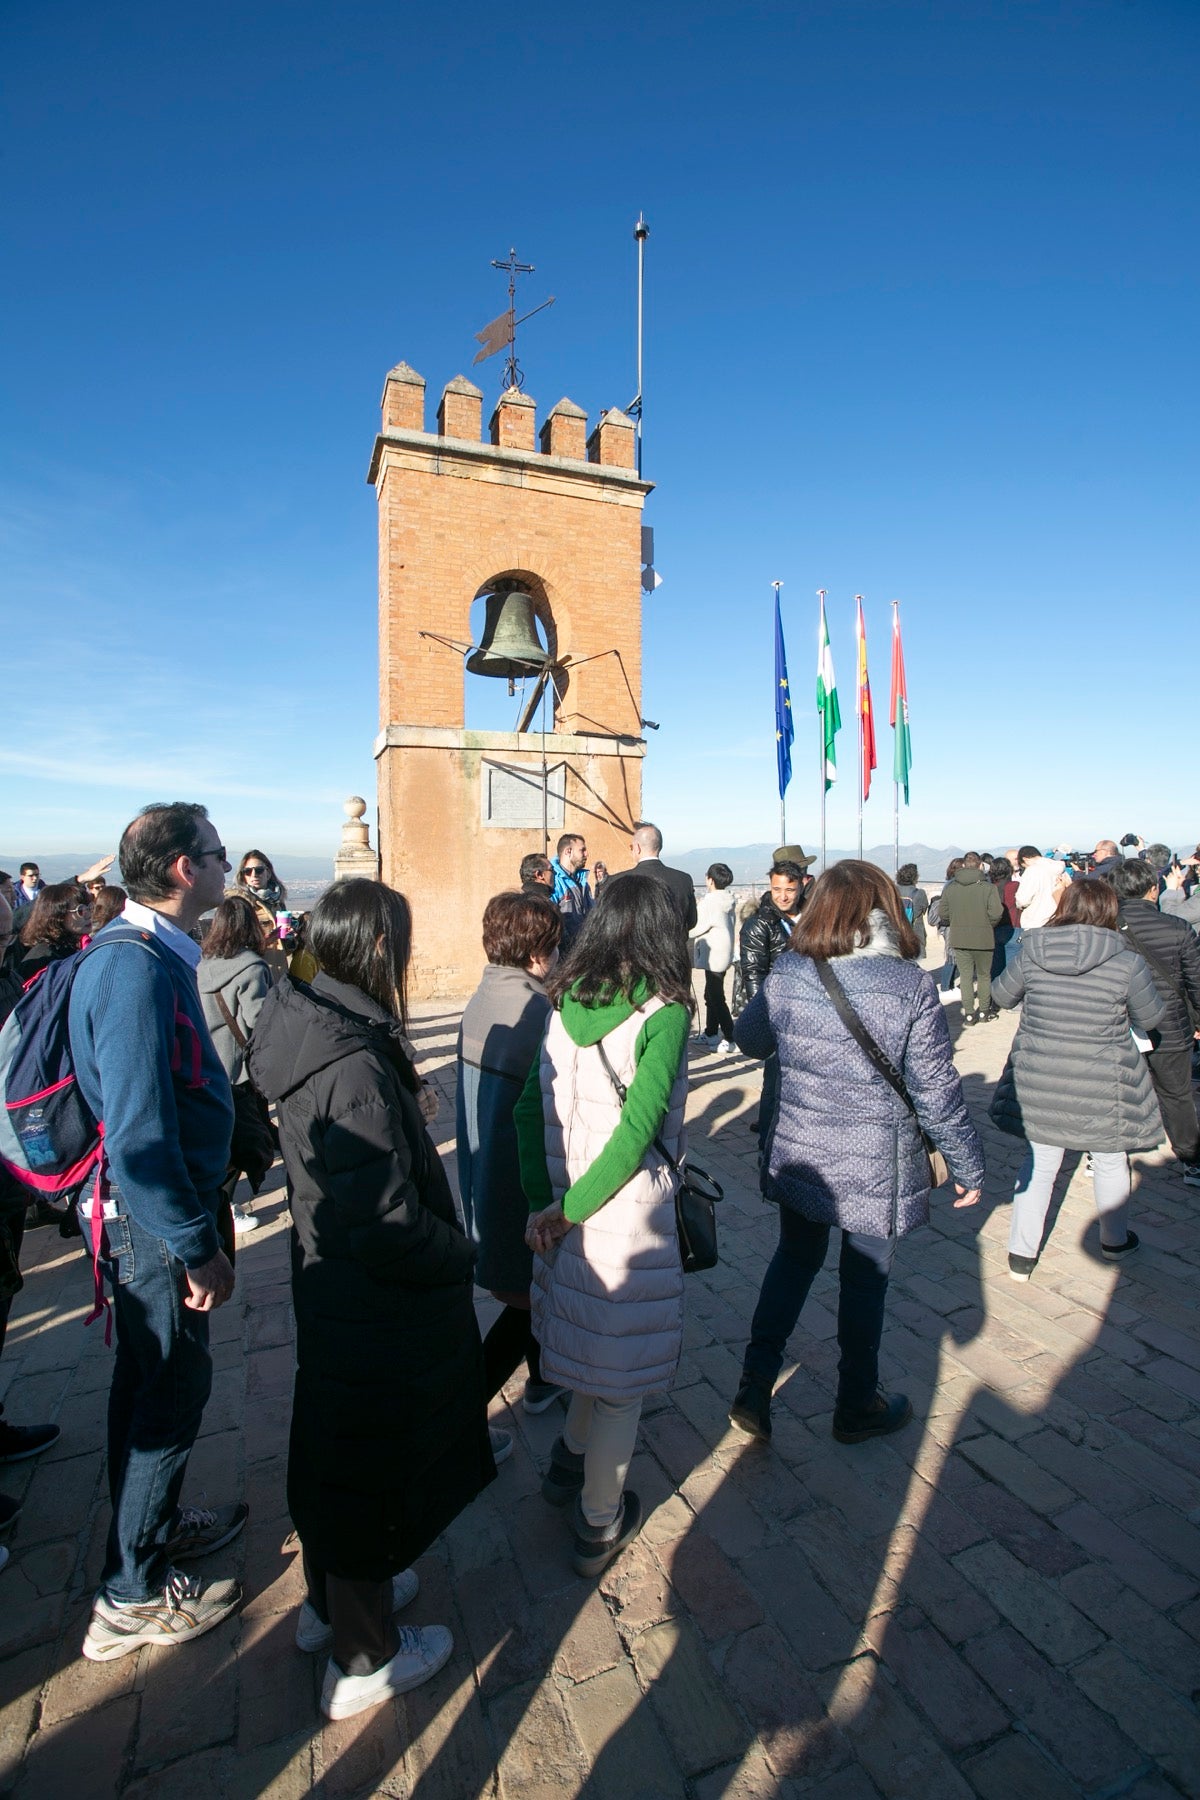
(1075,1078)
(1171,951)
(389,1430)
(764,939)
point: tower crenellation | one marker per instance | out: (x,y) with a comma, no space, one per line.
(460,410)
(513,423)
(403,401)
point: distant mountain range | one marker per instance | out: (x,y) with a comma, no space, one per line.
(750,862)
(310,875)
(64,864)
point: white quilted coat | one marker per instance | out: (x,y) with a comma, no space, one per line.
(608,1300)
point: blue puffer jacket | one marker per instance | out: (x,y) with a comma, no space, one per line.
(843,1148)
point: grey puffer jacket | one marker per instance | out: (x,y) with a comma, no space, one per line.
(243,982)
(843,1148)
(1075,1078)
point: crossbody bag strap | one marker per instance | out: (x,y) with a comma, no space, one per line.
(239,1036)
(861,1035)
(622,1091)
(1155,963)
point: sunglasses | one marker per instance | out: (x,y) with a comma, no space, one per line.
(217,850)
(254,869)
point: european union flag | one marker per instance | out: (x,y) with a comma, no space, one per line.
(784,731)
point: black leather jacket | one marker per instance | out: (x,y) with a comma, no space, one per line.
(764,939)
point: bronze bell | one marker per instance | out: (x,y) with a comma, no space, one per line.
(510,647)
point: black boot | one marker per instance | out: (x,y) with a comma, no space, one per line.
(596,1545)
(751,1409)
(563,1479)
(880,1416)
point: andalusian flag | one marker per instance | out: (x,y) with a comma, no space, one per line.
(899,709)
(866,718)
(829,712)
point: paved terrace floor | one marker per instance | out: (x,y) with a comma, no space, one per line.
(1002,1600)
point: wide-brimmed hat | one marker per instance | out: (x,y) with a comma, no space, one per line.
(793,853)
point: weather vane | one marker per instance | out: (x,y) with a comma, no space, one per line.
(501,334)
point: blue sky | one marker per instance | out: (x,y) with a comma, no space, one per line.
(920,324)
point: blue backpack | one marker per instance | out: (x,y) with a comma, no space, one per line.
(49,1140)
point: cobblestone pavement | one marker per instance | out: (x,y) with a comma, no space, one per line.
(1002,1600)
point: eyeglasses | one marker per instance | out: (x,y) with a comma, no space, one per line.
(217,850)
(253,869)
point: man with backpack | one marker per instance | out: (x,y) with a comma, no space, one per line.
(145,1065)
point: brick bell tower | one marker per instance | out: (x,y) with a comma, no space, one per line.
(557,516)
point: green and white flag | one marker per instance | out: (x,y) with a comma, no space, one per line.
(829,711)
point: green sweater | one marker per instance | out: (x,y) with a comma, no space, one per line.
(657,1054)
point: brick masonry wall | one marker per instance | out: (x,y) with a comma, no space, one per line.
(451,522)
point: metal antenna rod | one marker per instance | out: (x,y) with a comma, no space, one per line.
(641,232)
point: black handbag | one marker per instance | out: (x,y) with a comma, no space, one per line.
(938,1170)
(696,1192)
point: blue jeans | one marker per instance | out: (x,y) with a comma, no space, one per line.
(161,1382)
(863,1269)
(1008,942)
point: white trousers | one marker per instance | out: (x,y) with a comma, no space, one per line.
(603,1432)
(1035,1184)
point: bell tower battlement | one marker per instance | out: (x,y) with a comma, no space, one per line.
(552,516)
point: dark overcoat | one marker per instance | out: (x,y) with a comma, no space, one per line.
(498,1043)
(389,1431)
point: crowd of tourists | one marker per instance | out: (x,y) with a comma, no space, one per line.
(210,1030)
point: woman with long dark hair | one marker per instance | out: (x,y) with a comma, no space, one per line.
(234,982)
(54,925)
(1075,1079)
(389,1432)
(256,878)
(845,1148)
(600,1131)
(499,1039)
(1002,875)
(256,881)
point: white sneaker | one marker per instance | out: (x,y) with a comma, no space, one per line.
(502,1444)
(186,1608)
(312,1634)
(726,1047)
(244,1220)
(423,1651)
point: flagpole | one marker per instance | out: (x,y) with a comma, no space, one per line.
(858,700)
(782,800)
(895,778)
(821,735)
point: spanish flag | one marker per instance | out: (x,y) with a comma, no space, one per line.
(866,718)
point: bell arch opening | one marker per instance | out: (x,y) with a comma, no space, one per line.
(513,629)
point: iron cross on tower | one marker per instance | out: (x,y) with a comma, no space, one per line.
(502,332)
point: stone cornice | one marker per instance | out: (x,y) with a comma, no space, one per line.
(506,743)
(527,468)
